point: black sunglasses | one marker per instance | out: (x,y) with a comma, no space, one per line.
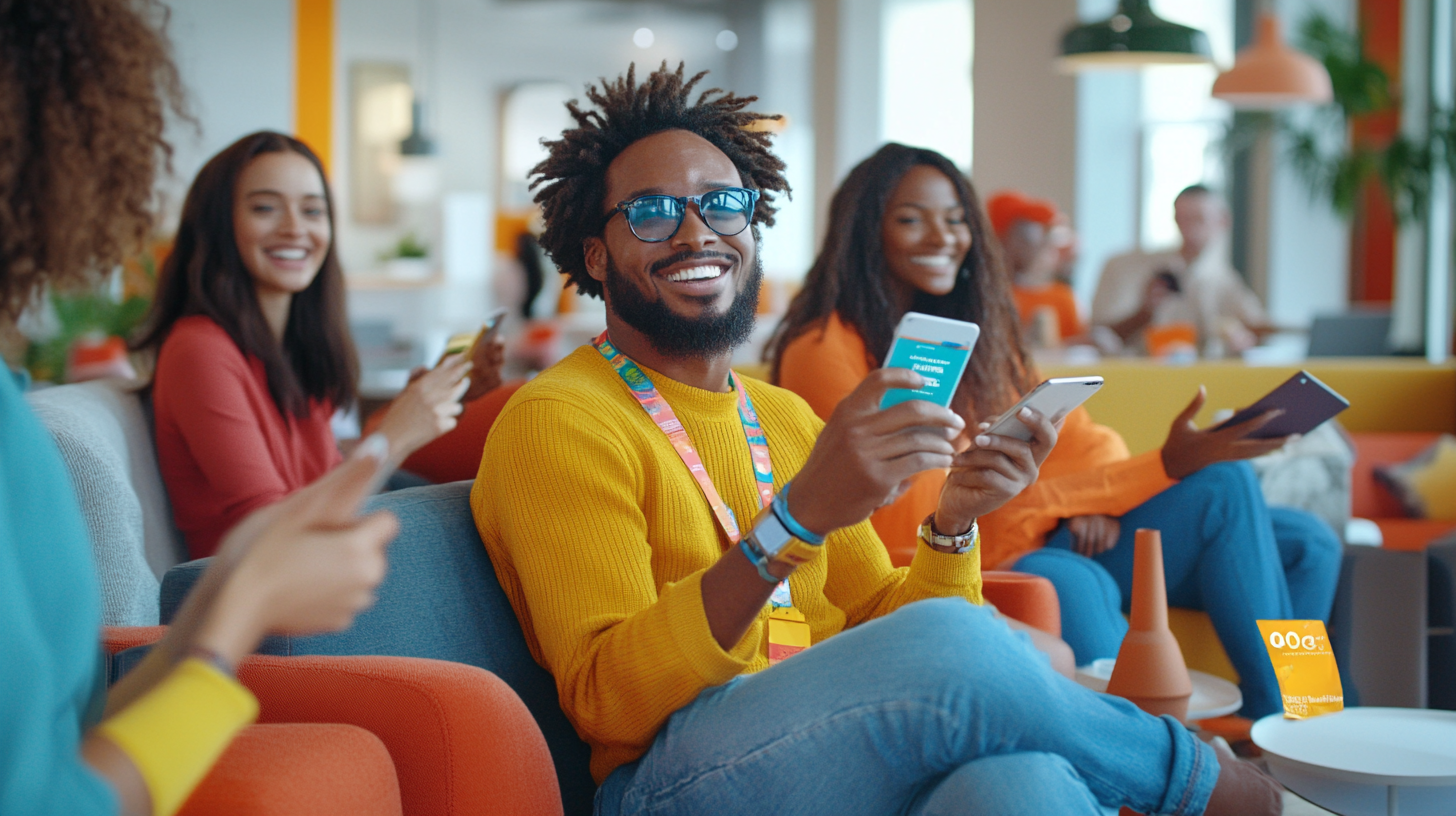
(656,218)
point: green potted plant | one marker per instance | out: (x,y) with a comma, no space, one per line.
(408,260)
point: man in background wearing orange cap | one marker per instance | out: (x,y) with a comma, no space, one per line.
(1034,236)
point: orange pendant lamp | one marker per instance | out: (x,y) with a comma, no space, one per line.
(1268,74)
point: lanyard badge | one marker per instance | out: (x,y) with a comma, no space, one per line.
(788,632)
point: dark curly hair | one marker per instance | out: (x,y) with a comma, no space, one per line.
(85,87)
(850,277)
(573,177)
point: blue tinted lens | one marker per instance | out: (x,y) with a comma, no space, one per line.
(654,218)
(728,211)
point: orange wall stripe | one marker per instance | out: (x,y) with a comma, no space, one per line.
(313,78)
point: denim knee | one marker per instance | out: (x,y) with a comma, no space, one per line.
(1018,784)
(1225,478)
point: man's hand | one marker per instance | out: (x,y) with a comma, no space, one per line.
(992,472)
(864,454)
(1093,535)
(486,358)
(1189,450)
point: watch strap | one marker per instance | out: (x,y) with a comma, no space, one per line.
(957,544)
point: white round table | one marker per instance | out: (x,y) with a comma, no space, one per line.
(1366,761)
(1212,696)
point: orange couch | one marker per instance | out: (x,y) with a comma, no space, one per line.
(1369,499)
(366,735)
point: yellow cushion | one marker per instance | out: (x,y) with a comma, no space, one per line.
(1426,483)
(1202,650)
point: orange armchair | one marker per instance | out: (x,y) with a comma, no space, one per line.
(369,735)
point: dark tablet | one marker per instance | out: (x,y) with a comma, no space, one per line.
(1306,401)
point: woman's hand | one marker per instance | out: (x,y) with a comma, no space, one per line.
(992,472)
(426,408)
(1093,535)
(864,455)
(305,564)
(486,358)
(1189,450)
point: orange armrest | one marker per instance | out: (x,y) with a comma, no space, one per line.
(117,638)
(1030,599)
(461,740)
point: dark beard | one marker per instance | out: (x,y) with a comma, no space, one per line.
(676,336)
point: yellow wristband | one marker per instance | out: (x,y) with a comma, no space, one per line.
(175,732)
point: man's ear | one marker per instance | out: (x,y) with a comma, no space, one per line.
(594,251)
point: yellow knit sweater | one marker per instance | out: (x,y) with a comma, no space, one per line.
(600,538)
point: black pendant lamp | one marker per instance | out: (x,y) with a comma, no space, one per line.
(417,143)
(1131,38)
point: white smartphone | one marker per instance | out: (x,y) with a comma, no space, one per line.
(938,349)
(1053,399)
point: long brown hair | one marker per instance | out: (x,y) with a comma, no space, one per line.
(205,275)
(850,277)
(85,86)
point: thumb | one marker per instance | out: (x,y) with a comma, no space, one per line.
(1187,415)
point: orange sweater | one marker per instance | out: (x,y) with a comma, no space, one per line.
(1059,297)
(1089,472)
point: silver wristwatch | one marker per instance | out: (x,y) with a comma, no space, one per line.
(958,544)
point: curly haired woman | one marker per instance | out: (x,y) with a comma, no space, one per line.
(907,233)
(84,89)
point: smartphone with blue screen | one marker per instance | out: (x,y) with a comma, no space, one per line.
(938,349)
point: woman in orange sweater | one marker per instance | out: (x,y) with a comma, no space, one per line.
(255,353)
(907,233)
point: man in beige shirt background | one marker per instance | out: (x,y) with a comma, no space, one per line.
(1194,285)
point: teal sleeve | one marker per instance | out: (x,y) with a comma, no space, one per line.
(50,614)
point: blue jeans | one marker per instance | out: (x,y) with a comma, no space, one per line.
(1224,552)
(937,708)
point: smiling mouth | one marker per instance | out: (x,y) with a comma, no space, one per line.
(288,254)
(932,260)
(696,273)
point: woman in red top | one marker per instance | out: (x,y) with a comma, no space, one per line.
(907,233)
(255,354)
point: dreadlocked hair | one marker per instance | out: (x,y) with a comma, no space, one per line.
(850,277)
(573,177)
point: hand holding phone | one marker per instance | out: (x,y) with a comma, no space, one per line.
(936,348)
(1053,399)
(1306,404)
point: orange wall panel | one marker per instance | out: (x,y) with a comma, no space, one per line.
(313,96)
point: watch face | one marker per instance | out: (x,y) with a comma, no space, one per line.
(771,535)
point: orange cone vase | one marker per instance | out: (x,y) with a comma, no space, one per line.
(1150,670)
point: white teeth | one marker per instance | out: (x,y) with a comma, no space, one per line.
(696,273)
(288,254)
(932,260)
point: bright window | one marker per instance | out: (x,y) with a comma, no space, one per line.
(925,76)
(1181,123)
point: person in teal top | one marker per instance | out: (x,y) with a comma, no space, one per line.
(85,87)
(50,613)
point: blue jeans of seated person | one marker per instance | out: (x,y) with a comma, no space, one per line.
(937,708)
(1224,552)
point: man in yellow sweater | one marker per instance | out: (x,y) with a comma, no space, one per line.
(726,641)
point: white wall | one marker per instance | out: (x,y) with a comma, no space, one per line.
(1309,246)
(1026,112)
(236,61)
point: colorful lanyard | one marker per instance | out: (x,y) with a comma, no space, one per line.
(661,413)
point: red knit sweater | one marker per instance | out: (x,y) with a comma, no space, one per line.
(223,446)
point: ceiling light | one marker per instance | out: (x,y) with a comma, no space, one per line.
(1268,74)
(1132,38)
